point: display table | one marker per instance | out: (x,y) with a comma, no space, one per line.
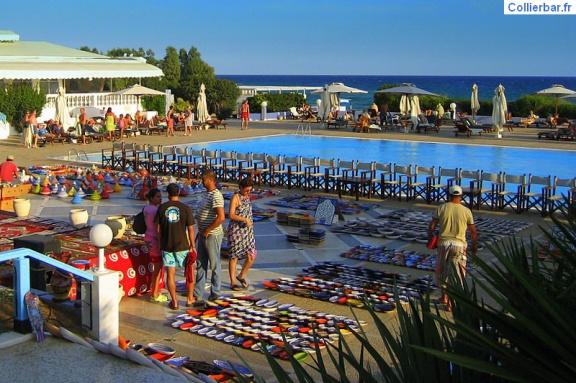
(128,255)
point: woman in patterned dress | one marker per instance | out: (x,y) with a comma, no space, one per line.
(241,241)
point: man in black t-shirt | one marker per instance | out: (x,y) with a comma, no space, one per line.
(176,236)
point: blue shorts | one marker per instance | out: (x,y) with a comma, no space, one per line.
(174,258)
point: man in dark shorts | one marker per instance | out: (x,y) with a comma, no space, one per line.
(176,235)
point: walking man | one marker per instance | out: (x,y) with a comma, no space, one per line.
(454,220)
(209,217)
(176,234)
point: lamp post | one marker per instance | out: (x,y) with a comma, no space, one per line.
(453,107)
(101,235)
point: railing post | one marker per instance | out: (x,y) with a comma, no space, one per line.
(104,308)
(22,286)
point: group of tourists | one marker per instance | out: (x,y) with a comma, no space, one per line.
(174,242)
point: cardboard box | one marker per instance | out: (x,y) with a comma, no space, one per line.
(7,205)
(15,191)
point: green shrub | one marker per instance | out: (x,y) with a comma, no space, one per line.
(277,102)
(18,98)
(157,103)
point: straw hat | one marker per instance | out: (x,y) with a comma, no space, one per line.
(10,157)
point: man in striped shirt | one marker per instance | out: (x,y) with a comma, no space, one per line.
(209,218)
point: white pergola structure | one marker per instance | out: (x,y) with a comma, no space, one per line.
(41,62)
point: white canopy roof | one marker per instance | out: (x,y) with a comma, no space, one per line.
(21,60)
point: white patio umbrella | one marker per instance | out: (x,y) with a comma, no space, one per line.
(138,91)
(202,107)
(325,106)
(557,91)
(415,106)
(338,87)
(406,89)
(499,111)
(62,113)
(474,103)
(334,90)
(404,105)
(409,91)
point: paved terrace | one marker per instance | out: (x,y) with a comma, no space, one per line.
(144,322)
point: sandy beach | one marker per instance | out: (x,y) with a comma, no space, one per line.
(142,321)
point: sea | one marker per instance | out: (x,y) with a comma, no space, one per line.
(451,86)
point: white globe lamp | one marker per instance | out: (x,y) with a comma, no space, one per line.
(101,235)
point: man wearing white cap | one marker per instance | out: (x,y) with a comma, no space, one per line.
(454,220)
(8,169)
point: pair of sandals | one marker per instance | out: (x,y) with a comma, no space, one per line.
(243,282)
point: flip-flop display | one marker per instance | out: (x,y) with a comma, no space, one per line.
(248,321)
(310,202)
(338,283)
(412,226)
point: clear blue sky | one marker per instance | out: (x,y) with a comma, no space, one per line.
(358,37)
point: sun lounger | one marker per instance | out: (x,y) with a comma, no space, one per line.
(464,126)
(217,124)
(560,134)
(337,124)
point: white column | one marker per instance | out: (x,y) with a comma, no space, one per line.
(104,308)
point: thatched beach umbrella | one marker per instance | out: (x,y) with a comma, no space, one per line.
(556,91)
(474,103)
(499,111)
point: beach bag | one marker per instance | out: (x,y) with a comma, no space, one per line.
(139,224)
(432,243)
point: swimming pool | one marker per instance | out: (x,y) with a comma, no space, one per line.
(492,159)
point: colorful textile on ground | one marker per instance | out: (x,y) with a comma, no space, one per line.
(337,283)
(247,322)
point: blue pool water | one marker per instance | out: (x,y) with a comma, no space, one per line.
(492,159)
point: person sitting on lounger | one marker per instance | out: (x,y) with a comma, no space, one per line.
(42,131)
(362,122)
(528,120)
(140,119)
(212,122)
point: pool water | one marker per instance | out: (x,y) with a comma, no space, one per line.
(492,159)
